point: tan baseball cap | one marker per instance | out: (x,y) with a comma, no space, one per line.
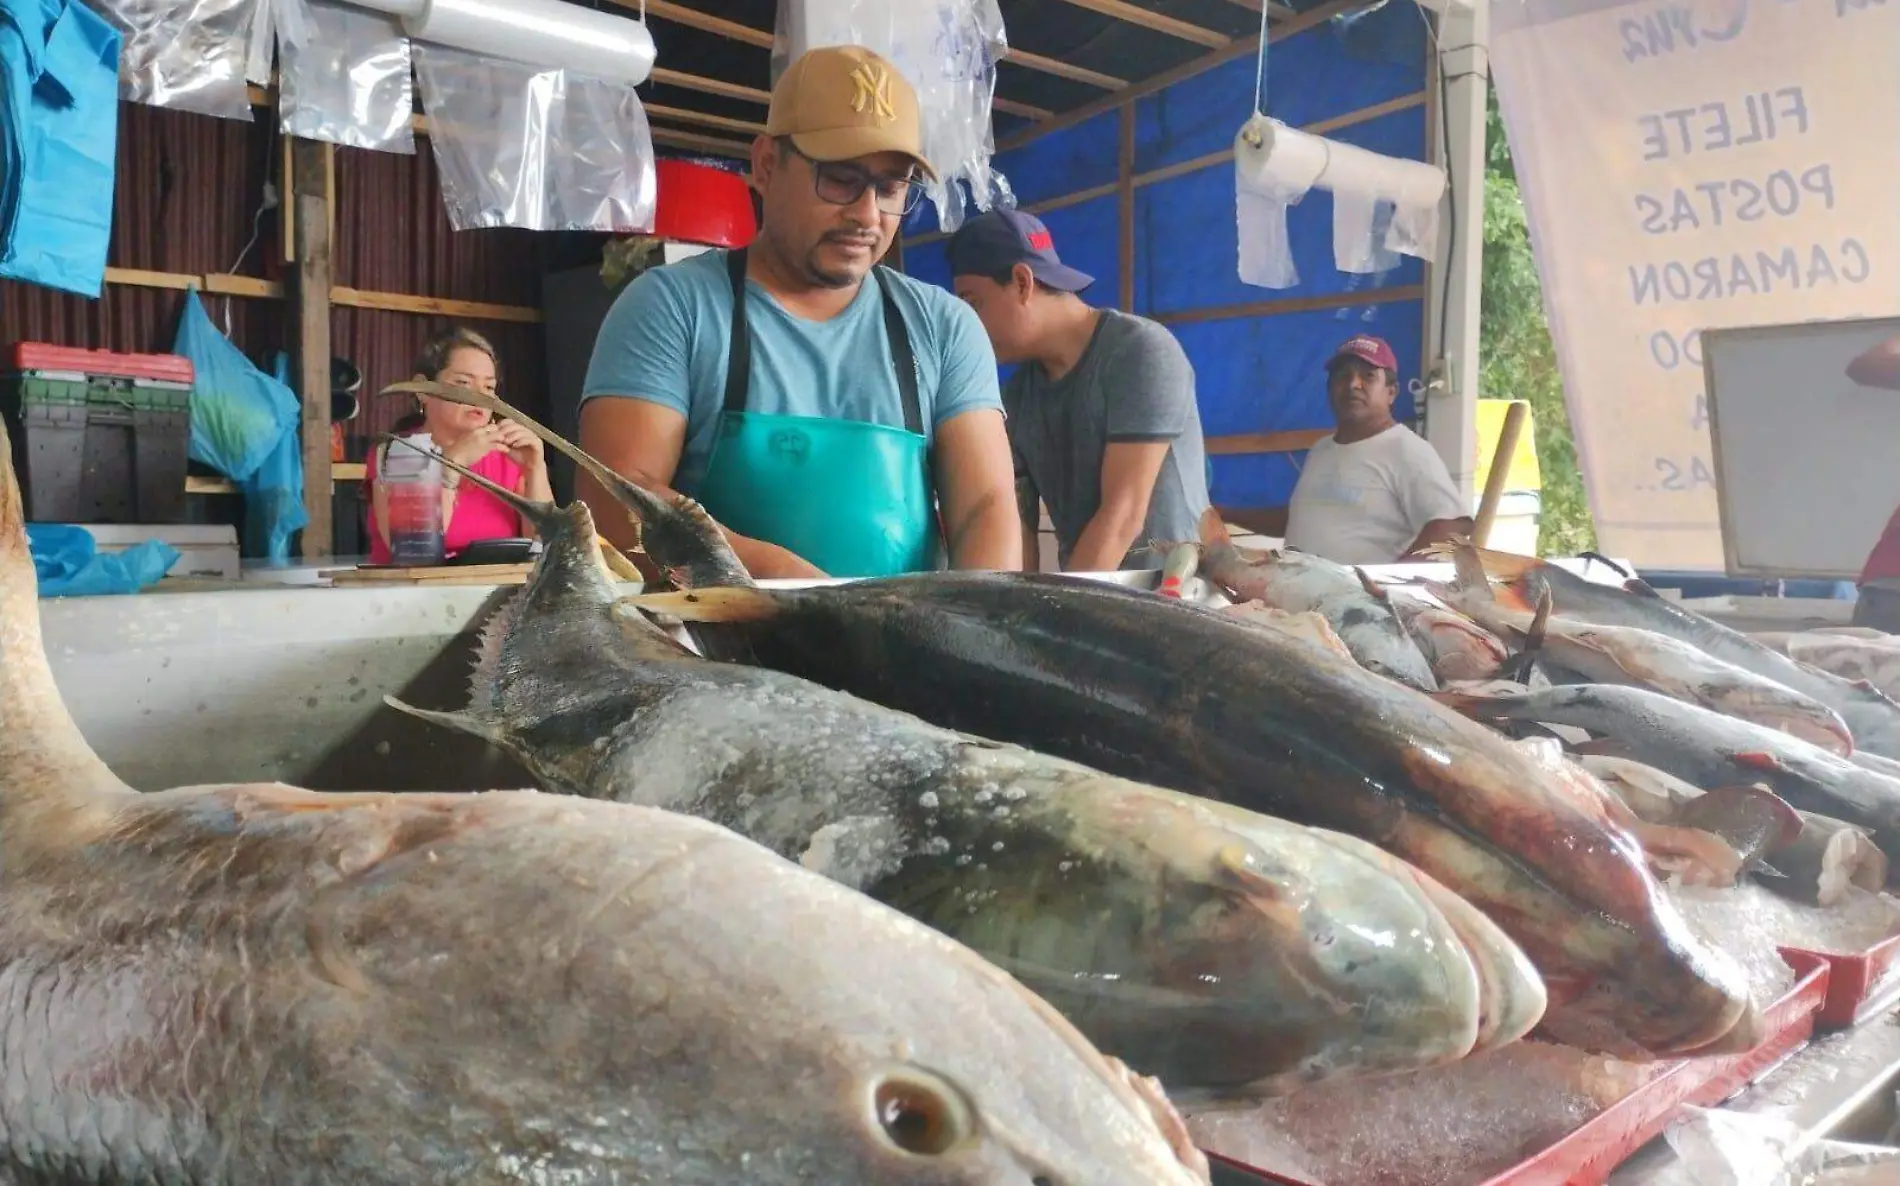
(839,102)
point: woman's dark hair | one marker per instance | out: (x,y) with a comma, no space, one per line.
(434,359)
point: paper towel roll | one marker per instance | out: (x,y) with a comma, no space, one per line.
(549,33)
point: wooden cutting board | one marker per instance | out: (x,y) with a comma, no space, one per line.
(438,574)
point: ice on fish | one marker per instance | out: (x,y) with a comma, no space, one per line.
(1451,1125)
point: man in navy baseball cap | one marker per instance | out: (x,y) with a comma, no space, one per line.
(1101,411)
(1374,492)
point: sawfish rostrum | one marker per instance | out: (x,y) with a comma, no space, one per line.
(250,984)
(1179,695)
(1220,951)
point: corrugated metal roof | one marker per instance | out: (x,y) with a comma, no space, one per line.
(188,191)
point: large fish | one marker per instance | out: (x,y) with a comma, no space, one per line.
(1360,612)
(1215,949)
(1458,649)
(1873,718)
(1181,695)
(1626,654)
(265,984)
(1707,749)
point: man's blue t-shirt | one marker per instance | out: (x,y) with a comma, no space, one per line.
(666,337)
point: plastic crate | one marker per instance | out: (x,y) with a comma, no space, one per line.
(98,437)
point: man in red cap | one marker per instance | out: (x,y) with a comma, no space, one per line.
(1878,605)
(1374,492)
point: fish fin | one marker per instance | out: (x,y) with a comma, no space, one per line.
(1371,586)
(1763,869)
(1757,760)
(1508,566)
(1608,563)
(687,537)
(461,722)
(1642,588)
(728,604)
(1253,555)
(1469,567)
(617,562)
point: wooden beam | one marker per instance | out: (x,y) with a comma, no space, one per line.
(1029,61)
(1125,208)
(1121,10)
(311,169)
(1333,300)
(1023,109)
(392,302)
(680,14)
(1182,168)
(705,119)
(1245,443)
(1140,90)
(711,86)
(717,145)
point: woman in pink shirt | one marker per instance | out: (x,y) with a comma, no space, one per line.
(501,451)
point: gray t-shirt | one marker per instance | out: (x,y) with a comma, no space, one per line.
(1133,383)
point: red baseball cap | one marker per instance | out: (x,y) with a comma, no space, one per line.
(1367,349)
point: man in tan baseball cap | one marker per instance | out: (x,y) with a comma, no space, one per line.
(837,418)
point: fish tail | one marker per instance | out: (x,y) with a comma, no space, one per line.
(712,605)
(36,731)
(676,532)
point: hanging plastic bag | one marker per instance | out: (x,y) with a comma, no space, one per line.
(68,562)
(349,82)
(242,423)
(947,50)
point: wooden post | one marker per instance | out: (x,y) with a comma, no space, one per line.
(311,183)
(1125,202)
(1500,471)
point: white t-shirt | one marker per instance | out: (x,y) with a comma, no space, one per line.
(1365,503)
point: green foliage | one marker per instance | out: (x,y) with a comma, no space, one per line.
(1516,357)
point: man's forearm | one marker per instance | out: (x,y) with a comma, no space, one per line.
(988,537)
(1105,542)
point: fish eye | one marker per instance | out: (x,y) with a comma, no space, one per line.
(920,1117)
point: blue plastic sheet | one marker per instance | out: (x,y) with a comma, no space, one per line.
(244,424)
(59,136)
(69,563)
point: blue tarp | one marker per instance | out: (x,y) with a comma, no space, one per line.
(59,134)
(1259,373)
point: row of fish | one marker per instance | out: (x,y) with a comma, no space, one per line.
(257,983)
(1116,697)
(1639,676)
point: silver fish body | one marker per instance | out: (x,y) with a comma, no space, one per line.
(1298,583)
(1710,749)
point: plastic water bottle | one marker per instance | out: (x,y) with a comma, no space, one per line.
(412,474)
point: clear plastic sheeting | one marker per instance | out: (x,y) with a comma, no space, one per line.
(1383,206)
(947,50)
(349,82)
(1722,1148)
(187,55)
(543,150)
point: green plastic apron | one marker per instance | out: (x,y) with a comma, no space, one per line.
(852,497)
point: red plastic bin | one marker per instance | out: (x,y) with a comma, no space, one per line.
(1590,1153)
(1858,985)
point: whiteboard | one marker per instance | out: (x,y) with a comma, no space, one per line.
(1807,461)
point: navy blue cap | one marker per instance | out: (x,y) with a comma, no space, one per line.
(994,242)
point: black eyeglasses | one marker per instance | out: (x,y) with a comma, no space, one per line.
(844,184)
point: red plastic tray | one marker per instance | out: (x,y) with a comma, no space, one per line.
(1588,1155)
(1858,985)
(42,356)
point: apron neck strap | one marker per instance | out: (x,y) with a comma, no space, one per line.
(739,348)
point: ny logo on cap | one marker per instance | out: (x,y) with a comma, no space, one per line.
(873,94)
